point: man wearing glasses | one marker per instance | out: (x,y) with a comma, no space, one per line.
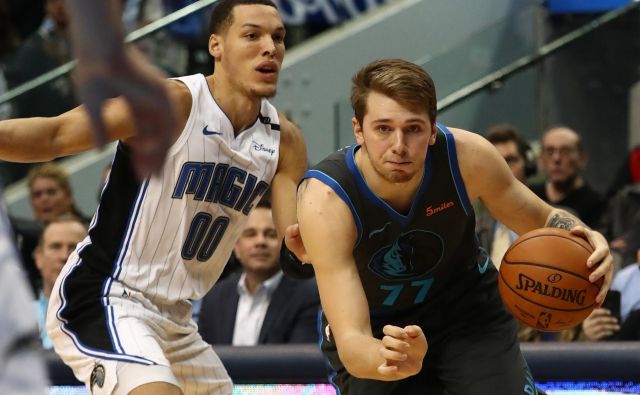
(562,160)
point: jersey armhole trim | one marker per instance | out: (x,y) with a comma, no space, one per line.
(455,169)
(337,188)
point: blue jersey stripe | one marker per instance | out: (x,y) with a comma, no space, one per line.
(133,216)
(455,170)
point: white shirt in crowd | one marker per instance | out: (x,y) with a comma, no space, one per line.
(252,309)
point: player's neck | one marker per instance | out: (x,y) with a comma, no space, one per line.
(241,109)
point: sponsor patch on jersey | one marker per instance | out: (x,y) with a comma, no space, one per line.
(261,147)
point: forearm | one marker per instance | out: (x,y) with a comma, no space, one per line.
(28,140)
(563,219)
(360,354)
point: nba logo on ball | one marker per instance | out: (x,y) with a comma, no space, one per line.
(544,279)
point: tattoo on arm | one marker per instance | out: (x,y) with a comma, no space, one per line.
(561,222)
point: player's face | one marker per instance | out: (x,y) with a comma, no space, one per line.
(394,138)
(561,159)
(258,247)
(252,49)
(58,241)
(510,153)
(48,199)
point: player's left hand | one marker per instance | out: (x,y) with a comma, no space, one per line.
(404,350)
(600,260)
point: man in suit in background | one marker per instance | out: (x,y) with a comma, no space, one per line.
(260,305)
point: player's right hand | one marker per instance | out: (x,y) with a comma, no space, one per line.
(404,350)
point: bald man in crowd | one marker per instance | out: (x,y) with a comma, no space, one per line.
(562,160)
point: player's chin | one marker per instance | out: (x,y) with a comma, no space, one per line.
(399,176)
(265,90)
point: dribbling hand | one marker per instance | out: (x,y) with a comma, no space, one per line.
(404,350)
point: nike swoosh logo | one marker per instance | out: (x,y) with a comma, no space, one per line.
(483,268)
(210,132)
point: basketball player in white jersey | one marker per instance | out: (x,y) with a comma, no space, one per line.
(119,313)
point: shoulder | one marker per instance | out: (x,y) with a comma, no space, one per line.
(290,135)
(293,152)
(474,152)
(181,96)
(468,142)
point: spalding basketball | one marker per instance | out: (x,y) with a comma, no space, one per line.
(544,279)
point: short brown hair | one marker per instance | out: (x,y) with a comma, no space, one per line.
(222,15)
(67,217)
(60,176)
(53,171)
(404,82)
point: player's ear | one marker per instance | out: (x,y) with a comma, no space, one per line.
(357,130)
(434,133)
(215,47)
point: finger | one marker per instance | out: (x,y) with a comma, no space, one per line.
(394,331)
(599,312)
(600,247)
(392,343)
(392,355)
(292,231)
(606,284)
(413,330)
(388,370)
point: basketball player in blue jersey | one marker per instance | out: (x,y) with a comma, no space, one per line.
(119,313)
(411,302)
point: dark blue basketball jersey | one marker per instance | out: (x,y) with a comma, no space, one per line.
(424,265)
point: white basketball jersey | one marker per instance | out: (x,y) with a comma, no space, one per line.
(170,236)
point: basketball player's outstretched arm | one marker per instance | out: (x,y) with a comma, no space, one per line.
(488,177)
(43,139)
(292,164)
(329,234)
(106,69)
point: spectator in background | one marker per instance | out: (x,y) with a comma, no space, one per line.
(260,305)
(59,238)
(51,196)
(621,221)
(494,236)
(9,41)
(43,51)
(563,160)
(602,324)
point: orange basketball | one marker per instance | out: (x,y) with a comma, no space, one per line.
(544,279)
